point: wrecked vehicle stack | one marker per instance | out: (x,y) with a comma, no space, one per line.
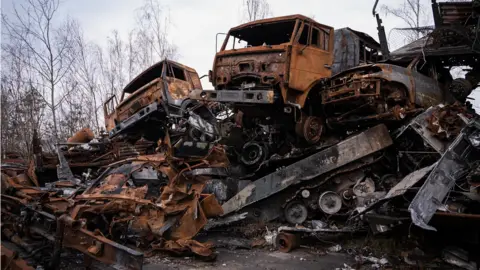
(322,130)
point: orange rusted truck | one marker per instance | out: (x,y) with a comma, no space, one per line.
(160,90)
(272,61)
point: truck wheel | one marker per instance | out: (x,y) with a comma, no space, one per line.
(295,212)
(310,129)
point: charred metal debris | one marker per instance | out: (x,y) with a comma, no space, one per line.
(323,130)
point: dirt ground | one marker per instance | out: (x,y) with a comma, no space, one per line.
(234,252)
(255,259)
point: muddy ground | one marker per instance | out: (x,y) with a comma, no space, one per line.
(401,251)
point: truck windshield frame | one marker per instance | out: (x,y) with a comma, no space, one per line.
(264,34)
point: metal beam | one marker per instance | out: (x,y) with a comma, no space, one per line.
(349,150)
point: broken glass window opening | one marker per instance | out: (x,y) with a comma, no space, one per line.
(262,35)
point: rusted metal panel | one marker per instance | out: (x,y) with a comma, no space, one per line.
(82,136)
(11,261)
(422,90)
(142,97)
(379,91)
(195,80)
(307,65)
(180,208)
(240,96)
(356,147)
(179,89)
(264,65)
(419,124)
(445,123)
(349,47)
(102,249)
(131,121)
(310,61)
(454,164)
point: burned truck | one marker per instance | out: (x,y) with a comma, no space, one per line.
(267,68)
(159,95)
(152,104)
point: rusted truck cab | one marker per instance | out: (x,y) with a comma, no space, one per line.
(145,96)
(278,57)
(271,62)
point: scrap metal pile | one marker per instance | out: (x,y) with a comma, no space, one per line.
(360,139)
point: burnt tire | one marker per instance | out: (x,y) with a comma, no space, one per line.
(310,128)
(295,212)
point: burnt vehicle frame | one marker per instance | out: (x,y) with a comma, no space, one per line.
(383,91)
(257,67)
(154,95)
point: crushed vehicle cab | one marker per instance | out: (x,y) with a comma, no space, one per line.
(387,91)
(147,95)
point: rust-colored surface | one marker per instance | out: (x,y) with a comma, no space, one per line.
(106,154)
(148,87)
(445,122)
(100,248)
(290,68)
(286,242)
(114,203)
(391,91)
(11,261)
(211,207)
(82,136)
(178,201)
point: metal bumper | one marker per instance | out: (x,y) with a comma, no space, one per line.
(132,120)
(238,96)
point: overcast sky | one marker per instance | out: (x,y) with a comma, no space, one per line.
(195,22)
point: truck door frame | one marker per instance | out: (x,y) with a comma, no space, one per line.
(310,63)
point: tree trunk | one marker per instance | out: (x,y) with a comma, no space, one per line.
(55,130)
(95,108)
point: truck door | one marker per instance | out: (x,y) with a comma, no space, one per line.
(178,84)
(312,55)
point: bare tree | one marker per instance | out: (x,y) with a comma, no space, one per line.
(116,60)
(50,48)
(132,55)
(55,81)
(87,75)
(413,14)
(146,44)
(22,108)
(151,34)
(256,9)
(75,111)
